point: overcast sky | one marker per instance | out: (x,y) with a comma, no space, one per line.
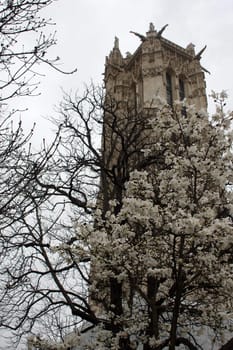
(86,31)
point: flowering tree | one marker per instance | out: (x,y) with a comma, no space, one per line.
(168,247)
(158,238)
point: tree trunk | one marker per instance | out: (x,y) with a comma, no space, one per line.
(152,288)
(180,277)
(116,296)
(228,345)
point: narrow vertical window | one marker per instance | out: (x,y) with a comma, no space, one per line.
(181,89)
(182,96)
(169,88)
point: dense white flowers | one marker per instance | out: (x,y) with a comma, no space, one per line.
(169,244)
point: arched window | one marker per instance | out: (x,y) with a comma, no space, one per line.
(169,88)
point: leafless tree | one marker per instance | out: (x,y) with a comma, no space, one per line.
(24,45)
(64,183)
(24,48)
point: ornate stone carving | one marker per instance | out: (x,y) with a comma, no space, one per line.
(151,72)
(116,43)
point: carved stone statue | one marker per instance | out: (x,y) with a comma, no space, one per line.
(116,43)
(151,27)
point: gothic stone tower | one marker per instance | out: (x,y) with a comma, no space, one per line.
(157,68)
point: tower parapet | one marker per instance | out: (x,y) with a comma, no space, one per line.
(158,67)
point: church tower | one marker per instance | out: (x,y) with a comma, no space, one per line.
(158,67)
